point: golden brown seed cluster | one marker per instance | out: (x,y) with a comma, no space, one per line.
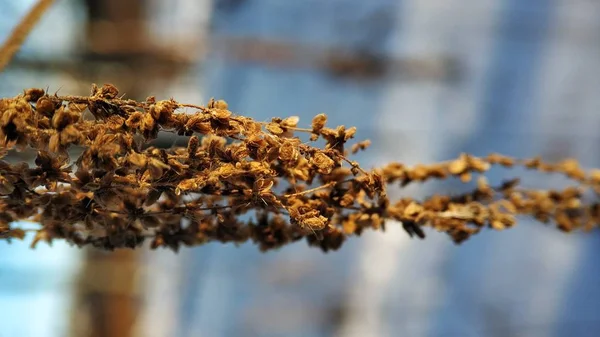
(237,180)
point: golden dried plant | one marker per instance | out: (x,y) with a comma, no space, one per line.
(237,180)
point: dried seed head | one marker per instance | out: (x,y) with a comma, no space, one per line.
(288,151)
(274,128)
(318,122)
(192,147)
(137,159)
(315,223)
(290,122)
(45,106)
(108,91)
(220,114)
(323,163)
(34,94)
(221,104)
(162,111)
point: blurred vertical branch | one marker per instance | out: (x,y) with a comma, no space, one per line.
(21,31)
(107,303)
(107,298)
(117,49)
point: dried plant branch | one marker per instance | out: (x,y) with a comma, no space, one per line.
(121,192)
(18,35)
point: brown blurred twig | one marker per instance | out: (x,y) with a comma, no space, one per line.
(21,31)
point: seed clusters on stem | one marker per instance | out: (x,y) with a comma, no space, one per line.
(237,180)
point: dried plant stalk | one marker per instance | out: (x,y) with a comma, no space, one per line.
(237,180)
(21,31)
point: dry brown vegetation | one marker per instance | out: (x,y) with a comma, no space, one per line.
(237,180)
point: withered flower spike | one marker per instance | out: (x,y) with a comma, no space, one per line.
(124,192)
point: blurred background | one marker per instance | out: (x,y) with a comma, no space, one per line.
(423,79)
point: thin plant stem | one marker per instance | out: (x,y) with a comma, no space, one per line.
(20,33)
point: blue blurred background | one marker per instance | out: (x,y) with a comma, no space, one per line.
(423,79)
